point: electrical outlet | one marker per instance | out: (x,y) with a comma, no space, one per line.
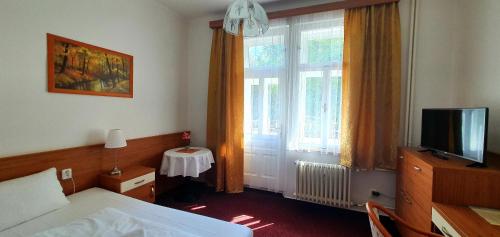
(375,193)
(66,174)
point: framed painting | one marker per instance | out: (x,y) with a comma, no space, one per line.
(79,68)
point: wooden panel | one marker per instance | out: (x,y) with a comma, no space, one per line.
(413,214)
(418,181)
(145,192)
(401,207)
(423,178)
(455,183)
(315,9)
(417,216)
(453,162)
(89,162)
(400,172)
(474,187)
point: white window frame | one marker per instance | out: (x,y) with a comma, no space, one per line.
(291,71)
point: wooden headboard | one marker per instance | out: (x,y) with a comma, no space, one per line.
(88,162)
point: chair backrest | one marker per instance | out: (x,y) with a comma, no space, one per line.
(378,230)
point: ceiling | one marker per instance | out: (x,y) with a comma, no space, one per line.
(198,8)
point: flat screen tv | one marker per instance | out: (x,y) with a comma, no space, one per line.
(458,132)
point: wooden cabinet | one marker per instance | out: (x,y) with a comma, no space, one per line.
(414,192)
(423,179)
(137,182)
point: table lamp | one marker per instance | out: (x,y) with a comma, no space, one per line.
(115,140)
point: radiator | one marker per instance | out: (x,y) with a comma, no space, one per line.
(326,184)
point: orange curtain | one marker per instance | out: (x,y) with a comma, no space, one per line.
(371,87)
(225,110)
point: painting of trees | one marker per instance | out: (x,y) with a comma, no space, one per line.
(79,68)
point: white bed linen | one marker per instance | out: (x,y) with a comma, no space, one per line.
(111,222)
(90,201)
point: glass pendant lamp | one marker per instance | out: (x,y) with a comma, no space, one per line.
(249,13)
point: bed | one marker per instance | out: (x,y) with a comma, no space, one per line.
(93,200)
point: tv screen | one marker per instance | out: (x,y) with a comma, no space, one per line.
(460,132)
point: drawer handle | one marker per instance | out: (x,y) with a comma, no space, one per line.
(401,157)
(139,182)
(445,232)
(416,168)
(152,190)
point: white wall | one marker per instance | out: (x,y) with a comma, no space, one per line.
(31,119)
(435,81)
(199,43)
(198,61)
(478,61)
(456,63)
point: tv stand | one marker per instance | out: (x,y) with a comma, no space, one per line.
(435,154)
(423,179)
(477,165)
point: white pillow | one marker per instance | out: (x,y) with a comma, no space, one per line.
(25,198)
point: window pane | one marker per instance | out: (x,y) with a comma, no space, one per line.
(265,52)
(322,46)
(255,108)
(251,105)
(271,106)
(313,97)
(335,105)
(322,51)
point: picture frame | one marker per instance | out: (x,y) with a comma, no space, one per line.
(75,67)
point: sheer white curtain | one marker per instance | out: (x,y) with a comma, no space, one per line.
(316,81)
(292,94)
(265,77)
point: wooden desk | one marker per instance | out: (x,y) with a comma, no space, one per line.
(423,179)
(454,221)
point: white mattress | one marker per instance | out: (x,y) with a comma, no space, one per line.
(92,200)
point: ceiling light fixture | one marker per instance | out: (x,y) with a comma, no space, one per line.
(253,15)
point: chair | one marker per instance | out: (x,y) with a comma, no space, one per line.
(378,230)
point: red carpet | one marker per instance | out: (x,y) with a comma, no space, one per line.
(271,215)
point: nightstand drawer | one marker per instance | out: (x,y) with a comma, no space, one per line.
(146,192)
(137,182)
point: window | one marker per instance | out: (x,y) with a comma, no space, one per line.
(293,77)
(265,65)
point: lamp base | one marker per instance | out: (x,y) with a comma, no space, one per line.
(115,171)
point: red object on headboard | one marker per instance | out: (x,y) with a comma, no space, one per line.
(88,162)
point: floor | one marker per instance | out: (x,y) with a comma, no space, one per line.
(270,215)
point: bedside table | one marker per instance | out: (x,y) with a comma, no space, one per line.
(136,181)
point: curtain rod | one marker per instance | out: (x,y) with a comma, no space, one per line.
(346,4)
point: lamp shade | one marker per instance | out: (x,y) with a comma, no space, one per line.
(115,139)
(248,12)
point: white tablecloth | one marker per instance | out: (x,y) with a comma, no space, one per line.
(178,163)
